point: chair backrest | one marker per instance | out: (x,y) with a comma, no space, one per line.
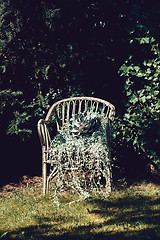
(65,109)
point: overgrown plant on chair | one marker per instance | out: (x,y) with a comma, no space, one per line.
(79,155)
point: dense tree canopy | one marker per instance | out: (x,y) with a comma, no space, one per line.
(53,49)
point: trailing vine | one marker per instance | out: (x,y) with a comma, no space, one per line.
(80,157)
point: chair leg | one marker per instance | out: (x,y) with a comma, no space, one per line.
(44,178)
(47,186)
(44,172)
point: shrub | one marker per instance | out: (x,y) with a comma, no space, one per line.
(139,126)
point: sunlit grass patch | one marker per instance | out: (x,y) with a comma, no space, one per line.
(130,213)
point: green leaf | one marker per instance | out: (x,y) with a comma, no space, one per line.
(135,141)
(148,97)
(143,99)
(126,116)
(3,68)
(145,63)
(140,74)
(158,104)
(149,64)
(142,148)
(148,88)
(128,139)
(137,68)
(156,92)
(129,92)
(145,40)
(133,99)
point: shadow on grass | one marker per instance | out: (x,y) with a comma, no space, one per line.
(135,217)
(40,232)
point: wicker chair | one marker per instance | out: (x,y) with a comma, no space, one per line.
(61,112)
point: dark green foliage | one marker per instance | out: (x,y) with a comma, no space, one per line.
(139,126)
(14,111)
(54,49)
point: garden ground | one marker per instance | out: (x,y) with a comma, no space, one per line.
(131,212)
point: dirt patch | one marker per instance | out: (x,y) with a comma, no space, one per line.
(26,181)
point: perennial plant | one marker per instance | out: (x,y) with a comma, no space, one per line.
(79,154)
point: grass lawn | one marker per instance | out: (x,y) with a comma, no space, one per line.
(129,213)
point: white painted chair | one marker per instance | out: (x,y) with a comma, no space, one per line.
(62,111)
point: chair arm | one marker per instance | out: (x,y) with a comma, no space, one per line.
(43,133)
